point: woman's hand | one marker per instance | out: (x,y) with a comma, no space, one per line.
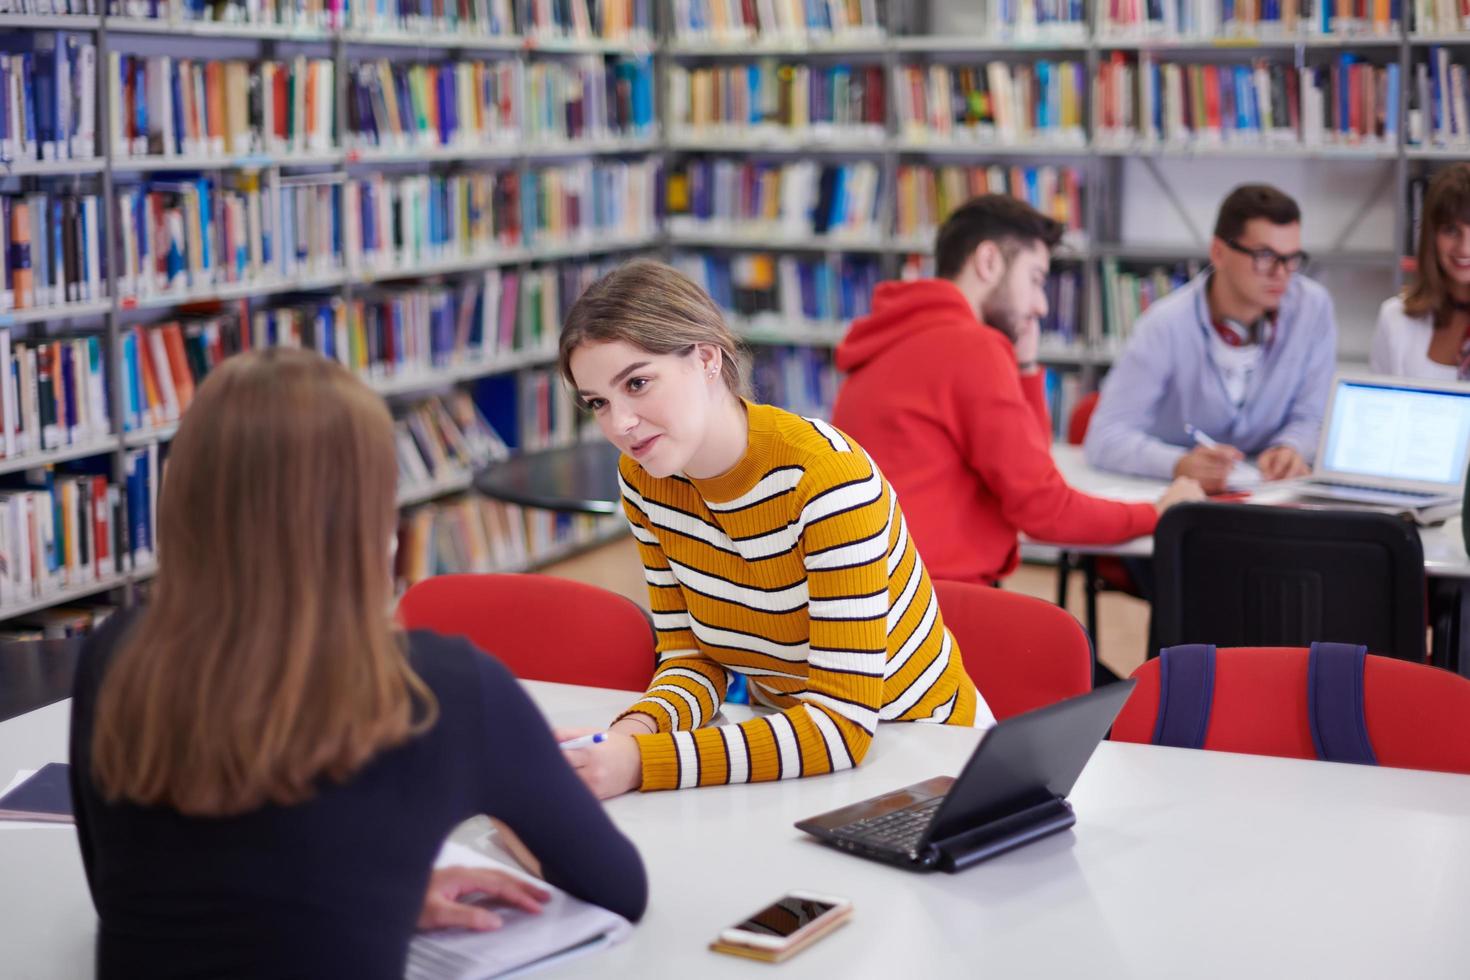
(444,910)
(610,768)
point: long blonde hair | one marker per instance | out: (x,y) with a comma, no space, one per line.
(266,659)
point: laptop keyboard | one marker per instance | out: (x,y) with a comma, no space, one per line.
(900,830)
(1410,495)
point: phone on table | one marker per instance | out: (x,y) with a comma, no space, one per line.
(785,927)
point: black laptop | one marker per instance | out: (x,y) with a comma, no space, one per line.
(1011,792)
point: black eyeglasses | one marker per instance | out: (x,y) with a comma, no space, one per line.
(1265,260)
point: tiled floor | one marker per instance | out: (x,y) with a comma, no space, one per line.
(1123,621)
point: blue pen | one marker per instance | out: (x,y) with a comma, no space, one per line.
(1200,437)
(582,742)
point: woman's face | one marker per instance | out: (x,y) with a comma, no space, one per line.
(1452,243)
(656,408)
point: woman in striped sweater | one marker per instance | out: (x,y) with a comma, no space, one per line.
(772,547)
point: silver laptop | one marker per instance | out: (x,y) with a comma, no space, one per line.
(1395,442)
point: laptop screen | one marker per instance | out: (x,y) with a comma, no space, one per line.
(1397,432)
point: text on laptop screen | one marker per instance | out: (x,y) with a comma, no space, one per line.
(1399,433)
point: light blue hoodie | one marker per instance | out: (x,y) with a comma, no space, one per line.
(1166,378)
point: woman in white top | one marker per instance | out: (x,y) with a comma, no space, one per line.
(1425,332)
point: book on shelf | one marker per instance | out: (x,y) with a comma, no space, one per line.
(166,106)
(545,416)
(195,233)
(623,21)
(476,18)
(472,534)
(53,394)
(1061,328)
(587,201)
(799,379)
(589,97)
(1440,17)
(50,250)
(36,7)
(762,200)
(1148,102)
(58,531)
(443,437)
(1063,392)
(736,22)
(308,14)
(1439,108)
(768,97)
(399,223)
(1038,103)
(928,194)
(1248,19)
(1126,294)
(765,291)
(464,105)
(1026,21)
(48,96)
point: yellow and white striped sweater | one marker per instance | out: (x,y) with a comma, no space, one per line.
(795,569)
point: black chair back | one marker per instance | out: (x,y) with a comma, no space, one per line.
(1241,576)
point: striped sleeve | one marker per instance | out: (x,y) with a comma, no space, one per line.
(688,687)
(843,528)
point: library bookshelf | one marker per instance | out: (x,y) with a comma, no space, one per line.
(789,279)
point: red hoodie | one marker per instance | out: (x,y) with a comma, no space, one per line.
(935,398)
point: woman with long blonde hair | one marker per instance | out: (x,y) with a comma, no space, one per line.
(263,766)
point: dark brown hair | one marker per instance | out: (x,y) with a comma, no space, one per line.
(267,658)
(1446,203)
(1000,218)
(655,308)
(1251,201)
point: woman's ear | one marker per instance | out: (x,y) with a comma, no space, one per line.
(710,359)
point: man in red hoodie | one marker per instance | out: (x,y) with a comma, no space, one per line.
(944,391)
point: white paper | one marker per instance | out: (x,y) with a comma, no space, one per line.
(566,927)
(21,777)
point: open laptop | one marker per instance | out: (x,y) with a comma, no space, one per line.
(1393,442)
(1012,791)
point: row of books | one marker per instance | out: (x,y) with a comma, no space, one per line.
(53,394)
(777,97)
(1034,20)
(442,437)
(203,232)
(475,535)
(58,532)
(1126,294)
(763,198)
(50,250)
(48,106)
(1061,328)
(786,291)
(1064,389)
(58,623)
(1346,103)
(1250,18)
(1005,102)
(169,107)
(926,195)
(461,104)
(744,21)
(1439,109)
(799,379)
(611,20)
(589,98)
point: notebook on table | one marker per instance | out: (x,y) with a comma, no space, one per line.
(1393,443)
(567,927)
(39,796)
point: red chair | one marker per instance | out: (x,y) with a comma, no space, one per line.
(1021,652)
(542,628)
(1081,418)
(1418,717)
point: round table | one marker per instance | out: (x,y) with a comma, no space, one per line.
(582,479)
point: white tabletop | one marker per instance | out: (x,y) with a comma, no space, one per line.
(1182,864)
(1444,546)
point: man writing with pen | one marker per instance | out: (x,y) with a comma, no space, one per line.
(1237,363)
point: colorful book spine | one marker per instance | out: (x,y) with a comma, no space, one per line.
(48,105)
(762,199)
(777,98)
(461,105)
(926,195)
(1041,102)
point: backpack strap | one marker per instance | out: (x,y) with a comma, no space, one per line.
(1186,691)
(1335,703)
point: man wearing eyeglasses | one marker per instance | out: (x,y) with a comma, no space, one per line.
(1237,363)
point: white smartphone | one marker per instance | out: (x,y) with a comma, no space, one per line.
(788,921)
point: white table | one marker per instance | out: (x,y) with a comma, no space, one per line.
(1444,546)
(1182,864)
